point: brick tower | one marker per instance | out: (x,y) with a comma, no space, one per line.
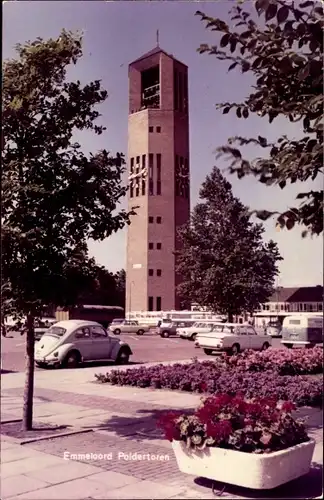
(158,162)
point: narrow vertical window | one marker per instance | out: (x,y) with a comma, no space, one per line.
(143,174)
(175,90)
(177,175)
(180,92)
(137,179)
(151,166)
(132,181)
(185,92)
(186,181)
(150,303)
(158,173)
(158,303)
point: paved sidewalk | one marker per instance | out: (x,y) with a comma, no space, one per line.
(124,422)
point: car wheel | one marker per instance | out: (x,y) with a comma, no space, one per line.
(193,337)
(208,352)
(117,331)
(165,334)
(72,359)
(289,346)
(235,349)
(140,332)
(265,346)
(123,357)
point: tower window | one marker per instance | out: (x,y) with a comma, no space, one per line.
(159,220)
(151,220)
(131,182)
(158,272)
(143,175)
(181,81)
(151,165)
(151,129)
(175,90)
(158,303)
(151,246)
(151,88)
(137,179)
(150,303)
(158,174)
(150,272)
(158,246)
(158,130)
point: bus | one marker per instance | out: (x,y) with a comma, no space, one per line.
(102,314)
(154,318)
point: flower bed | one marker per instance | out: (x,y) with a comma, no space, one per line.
(213,377)
(259,425)
(283,361)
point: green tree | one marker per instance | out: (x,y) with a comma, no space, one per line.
(224,263)
(120,278)
(54,197)
(284,52)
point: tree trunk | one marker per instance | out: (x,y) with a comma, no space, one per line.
(27,423)
(230,317)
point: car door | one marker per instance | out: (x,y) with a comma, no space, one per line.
(253,338)
(83,342)
(243,338)
(101,343)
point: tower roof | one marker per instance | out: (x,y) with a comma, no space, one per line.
(156,50)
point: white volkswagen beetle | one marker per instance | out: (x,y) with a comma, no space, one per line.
(68,343)
(232,338)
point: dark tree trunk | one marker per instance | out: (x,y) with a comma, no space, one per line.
(230,317)
(27,423)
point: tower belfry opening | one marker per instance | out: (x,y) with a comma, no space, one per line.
(151,87)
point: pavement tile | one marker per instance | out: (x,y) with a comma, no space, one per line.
(114,479)
(72,490)
(26,465)
(18,453)
(142,490)
(15,485)
(64,471)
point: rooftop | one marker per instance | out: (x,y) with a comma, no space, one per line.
(298,294)
(153,52)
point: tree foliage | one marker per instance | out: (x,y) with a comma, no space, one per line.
(224,263)
(284,52)
(54,197)
(106,289)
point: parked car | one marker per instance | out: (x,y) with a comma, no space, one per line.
(303,330)
(71,342)
(169,328)
(192,331)
(232,338)
(274,328)
(128,326)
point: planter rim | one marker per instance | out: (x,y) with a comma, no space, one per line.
(272,454)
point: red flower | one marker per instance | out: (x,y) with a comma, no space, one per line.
(288,406)
(219,431)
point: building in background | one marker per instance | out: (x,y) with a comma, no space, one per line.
(296,299)
(158,163)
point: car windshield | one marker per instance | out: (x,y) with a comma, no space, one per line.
(56,331)
(117,321)
(223,329)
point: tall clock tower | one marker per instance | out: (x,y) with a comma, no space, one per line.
(158,163)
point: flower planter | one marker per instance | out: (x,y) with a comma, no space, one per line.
(250,470)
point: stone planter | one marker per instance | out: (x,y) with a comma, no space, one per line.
(250,470)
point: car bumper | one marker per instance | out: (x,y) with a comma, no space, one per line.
(212,348)
(47,361)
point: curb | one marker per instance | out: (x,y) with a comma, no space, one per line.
(21,442)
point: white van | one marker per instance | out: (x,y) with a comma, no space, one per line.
(302,329)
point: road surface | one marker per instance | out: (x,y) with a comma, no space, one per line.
(146,348)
